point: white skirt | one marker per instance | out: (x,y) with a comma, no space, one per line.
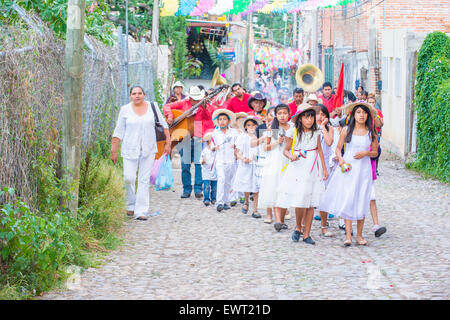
(270,178)
(245,178)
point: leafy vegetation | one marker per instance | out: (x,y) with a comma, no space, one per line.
(432,93)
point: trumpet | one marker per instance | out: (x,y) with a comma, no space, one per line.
(222,96)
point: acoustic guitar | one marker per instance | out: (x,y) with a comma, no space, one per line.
(184,123)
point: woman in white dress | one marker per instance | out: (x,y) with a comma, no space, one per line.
(302,177)
(135,128)
(348,193)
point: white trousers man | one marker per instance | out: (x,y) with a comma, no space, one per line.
(139,201)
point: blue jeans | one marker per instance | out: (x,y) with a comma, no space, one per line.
(209,188)
(195,151)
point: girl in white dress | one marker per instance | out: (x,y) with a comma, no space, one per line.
(246,152)
(302,178)
(275,161)
(236,196)
(348,193)
(326,140)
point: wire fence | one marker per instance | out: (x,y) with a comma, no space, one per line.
(31,100)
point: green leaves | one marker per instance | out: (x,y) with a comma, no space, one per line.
(432,94)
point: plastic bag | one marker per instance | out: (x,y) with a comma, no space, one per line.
(164,180)
(155,169)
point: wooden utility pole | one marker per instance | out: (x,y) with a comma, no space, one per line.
(73,96)
(247,50)
(155,22)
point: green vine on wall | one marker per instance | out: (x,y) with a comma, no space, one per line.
(432,94)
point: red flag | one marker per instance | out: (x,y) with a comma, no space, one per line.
(340,89)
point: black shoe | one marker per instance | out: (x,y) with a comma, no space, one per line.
(219,207)
(284,226)
(185,195)
(233,203)
(309,241)
(226,207)
(296,235)
(213,202)
(206,202)
(256,215)
(380,231)
(277,226)
(251,197)
(198,195)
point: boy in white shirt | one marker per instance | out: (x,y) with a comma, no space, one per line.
(209,175)
(223,140)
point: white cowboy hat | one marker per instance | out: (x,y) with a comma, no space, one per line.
(302,108)
(229,113)
(178,84)
(312,96)
(242,121)
(196,94)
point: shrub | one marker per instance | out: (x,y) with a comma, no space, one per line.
(432,92)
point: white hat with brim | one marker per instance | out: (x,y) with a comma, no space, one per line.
(348,108)
(241,115)
(218,112)
(177,84)
(196,94)
(302,108)
(207,136)
(311,97)
(242,121)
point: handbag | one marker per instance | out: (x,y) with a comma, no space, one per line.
(159,130)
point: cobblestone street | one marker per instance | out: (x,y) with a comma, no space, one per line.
(193,252)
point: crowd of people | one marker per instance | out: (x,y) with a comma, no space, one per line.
(293,156)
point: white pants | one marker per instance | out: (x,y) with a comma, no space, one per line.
(225,173)
(139,201)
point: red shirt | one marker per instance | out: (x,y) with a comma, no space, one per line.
(293,107)
(235,105)
(202,119)
(329,103)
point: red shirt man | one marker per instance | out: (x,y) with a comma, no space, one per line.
(298,96)
(239,103)
(202,119)
(327,97)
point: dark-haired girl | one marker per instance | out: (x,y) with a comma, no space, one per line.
(274,144)
(348,193)
(302,178)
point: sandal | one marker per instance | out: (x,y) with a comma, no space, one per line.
(256,215)
(347,243)
(327,233)
(361,243)
(244,210)
(269,221)
(130,213)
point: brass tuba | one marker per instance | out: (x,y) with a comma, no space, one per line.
(309,77)
(217,79)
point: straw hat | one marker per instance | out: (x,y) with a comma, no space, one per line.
(196,94)
(240,115)
(313,96)
(302,108)
(242,121)
(178,84)
(348,108)
(207,136)
(229,113)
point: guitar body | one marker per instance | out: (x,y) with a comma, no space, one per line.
(177,132)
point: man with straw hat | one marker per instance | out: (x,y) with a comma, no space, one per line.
(202,124)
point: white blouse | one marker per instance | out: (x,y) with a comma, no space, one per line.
(137,133)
